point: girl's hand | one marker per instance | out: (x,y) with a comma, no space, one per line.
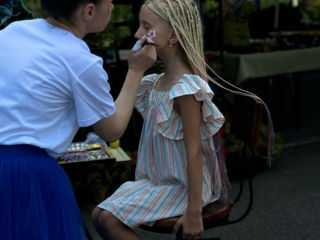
(191,224)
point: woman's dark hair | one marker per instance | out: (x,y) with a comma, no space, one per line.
(62,9)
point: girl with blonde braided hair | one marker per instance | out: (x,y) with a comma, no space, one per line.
(179,169)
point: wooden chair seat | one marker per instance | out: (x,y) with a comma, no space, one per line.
(213,214)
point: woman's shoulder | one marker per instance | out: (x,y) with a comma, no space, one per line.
(22,27)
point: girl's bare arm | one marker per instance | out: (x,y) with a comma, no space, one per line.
(190,111)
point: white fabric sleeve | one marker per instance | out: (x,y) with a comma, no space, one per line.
(92,96)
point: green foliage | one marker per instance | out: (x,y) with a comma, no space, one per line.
(311,12)
(270,3)
(157,67)
(263,140)
(35,7)
(310,9)
(12,11)
(95,182)
(113,35)
(210,8)
(122,13)
(106,38)
(233,145)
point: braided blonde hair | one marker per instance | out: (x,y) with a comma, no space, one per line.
(184,18)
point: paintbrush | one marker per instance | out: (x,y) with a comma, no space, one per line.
(151,43)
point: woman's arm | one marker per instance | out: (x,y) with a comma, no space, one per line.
(112,128)
(190,111)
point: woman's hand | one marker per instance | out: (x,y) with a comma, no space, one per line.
(192,226)
(113,127)
(143,59)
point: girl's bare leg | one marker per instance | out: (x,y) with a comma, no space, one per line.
(110,227)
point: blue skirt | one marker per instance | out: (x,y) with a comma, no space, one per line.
(36,197)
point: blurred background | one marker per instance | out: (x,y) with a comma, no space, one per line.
(268,47)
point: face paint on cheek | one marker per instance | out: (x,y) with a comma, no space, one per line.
(152,34)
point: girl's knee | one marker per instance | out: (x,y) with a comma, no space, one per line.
(95,214)
(103,218)
(110,227)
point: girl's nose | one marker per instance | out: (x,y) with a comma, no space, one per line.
(139,33)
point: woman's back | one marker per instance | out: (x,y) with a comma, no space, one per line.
(43,69)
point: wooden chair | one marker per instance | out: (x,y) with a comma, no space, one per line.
(246,117)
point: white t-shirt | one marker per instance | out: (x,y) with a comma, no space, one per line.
(50,85)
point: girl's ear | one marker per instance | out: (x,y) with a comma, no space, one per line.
(173,39)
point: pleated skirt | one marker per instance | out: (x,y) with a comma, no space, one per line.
(37,201)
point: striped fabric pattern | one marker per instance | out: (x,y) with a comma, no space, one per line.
(161,189)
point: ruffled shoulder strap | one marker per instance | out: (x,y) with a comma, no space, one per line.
(169,122)
(191,85)
(144,90)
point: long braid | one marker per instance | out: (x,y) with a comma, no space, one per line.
(184,17)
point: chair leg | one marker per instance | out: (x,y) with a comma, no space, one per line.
(249,204)
(240,190)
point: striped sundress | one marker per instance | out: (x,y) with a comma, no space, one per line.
(160,189)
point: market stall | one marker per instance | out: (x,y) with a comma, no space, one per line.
(241,67)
